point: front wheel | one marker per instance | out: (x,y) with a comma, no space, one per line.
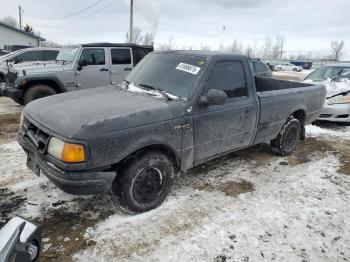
(38,91)
(288,139)
(144,182)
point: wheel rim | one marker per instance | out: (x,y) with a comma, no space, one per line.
(148,185)
(291,138)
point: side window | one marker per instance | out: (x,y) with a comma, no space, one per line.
(344,75)
(49,55)
(229,77)
(121,56)
(260,67)
(93,56)
(27,57)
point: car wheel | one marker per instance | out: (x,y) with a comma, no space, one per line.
(144,183)
(288,139)
(38,91)
(295,70)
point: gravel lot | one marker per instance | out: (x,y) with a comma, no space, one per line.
(247,206)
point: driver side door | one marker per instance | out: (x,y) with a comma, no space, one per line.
(222,128)
(95,72)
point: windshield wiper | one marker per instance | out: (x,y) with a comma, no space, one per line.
(339,94)
(157,89)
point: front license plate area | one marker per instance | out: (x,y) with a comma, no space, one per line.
(32,164)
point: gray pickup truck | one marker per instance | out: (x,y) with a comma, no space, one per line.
(174,111)
(76,68)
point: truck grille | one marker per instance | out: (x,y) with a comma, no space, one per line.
(36,136)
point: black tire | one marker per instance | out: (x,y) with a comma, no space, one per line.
(38,91)
(288,139)
(144,182)
(295,70)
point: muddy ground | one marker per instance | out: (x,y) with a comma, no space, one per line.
(67,220)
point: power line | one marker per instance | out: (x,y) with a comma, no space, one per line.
(64,16)
(77,20)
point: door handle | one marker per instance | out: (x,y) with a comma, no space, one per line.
(127,69)
(104,69)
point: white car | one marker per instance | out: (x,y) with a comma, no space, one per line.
(27,55)
(336,78)
(288,67)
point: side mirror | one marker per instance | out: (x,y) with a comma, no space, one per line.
(213,97)
(81,64)
(20,240)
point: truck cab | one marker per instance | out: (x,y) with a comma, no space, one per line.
(76,68)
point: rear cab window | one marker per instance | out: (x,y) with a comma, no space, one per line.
(121,56)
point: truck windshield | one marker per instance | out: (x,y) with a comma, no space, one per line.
(67,54)
(172,73)
(324,73)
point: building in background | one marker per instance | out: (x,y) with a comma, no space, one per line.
(12,38)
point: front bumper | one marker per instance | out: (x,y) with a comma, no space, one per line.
(335,113)
(12,92)
(73,182)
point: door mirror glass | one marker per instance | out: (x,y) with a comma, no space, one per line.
(213,97)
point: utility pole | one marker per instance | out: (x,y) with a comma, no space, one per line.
(131,29)
(20,16)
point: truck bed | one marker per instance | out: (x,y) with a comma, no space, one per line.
(269,84)
(280,99)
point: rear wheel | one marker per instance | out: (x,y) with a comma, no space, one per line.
(38,91)
(144,182)
(288,139)
(295,69)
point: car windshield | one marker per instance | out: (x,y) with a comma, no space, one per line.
(174,74)
(67,54)
(324,73)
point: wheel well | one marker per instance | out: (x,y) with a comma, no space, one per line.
(50,83)
(157,147)
(300,115)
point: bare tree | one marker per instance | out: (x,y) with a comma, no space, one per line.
(249,51)
(337,50)
(148,39)
(236,47)
(205,47)
(278,47)
(169,45)
(137,37)
(266,49)
(9,20)
(28,29)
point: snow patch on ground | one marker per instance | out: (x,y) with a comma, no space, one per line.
(334,133)
(294,213)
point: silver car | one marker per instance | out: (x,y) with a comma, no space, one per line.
(26,56)
(336,77)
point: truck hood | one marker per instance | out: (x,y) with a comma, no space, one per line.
(81,114)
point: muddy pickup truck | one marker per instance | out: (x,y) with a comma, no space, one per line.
(174,111)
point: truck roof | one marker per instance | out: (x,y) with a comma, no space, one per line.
(105,44)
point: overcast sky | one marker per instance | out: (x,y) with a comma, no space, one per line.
(308,25)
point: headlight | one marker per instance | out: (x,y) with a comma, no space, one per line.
(339,100)
(70,153)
